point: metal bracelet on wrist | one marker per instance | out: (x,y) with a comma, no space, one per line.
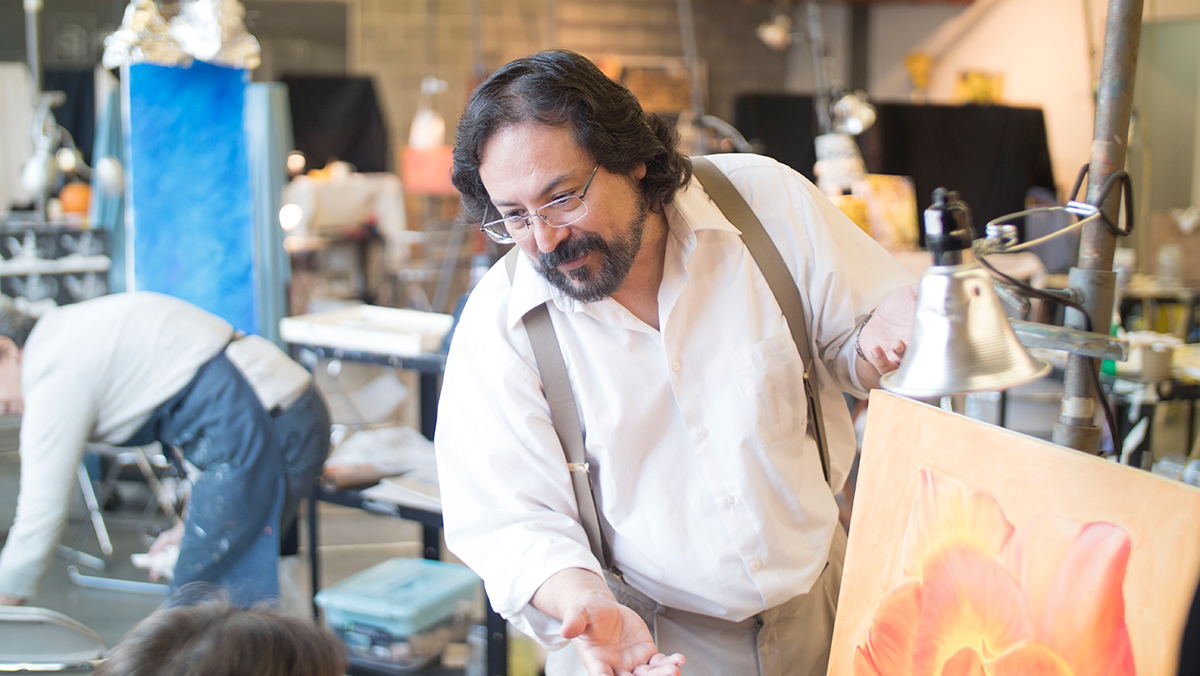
(857,347)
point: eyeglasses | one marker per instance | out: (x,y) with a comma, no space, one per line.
(557,213)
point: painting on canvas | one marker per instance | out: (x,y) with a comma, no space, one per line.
(975,550)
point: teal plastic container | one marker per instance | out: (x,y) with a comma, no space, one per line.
(404,597)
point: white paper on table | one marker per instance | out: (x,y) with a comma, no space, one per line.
(417,489)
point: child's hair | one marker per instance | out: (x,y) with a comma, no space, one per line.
(216,639)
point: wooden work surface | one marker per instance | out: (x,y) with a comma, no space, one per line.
(1027,477)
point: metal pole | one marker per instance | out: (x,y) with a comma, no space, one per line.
(1093,277)
(33,55)
(478,66)
(816,37)
(32,8)
(552,24)
(691,57)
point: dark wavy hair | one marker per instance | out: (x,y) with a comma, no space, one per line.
(15,323)
(558,88)
(216,639)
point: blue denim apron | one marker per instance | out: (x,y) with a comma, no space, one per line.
(256,466)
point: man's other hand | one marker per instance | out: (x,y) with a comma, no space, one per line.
(885,337)
(612,640)
(10,600)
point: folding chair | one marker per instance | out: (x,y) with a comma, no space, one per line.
(41,640)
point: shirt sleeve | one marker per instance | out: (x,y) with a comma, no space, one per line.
(507,503)
(58,418)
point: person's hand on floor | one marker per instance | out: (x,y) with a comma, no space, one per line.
(166,543)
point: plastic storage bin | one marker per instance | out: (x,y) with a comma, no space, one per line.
(402,612)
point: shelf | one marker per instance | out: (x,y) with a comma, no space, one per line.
(67,265)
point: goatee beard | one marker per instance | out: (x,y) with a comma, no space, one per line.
(587,284)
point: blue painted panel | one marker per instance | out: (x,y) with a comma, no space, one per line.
(189,190)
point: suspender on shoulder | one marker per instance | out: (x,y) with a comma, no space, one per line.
(563,412)
(564,416)
(779,278)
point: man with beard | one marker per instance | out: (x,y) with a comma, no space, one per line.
(720,535)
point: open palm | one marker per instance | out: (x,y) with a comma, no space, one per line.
(612,640)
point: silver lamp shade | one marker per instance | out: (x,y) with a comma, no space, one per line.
(961,341)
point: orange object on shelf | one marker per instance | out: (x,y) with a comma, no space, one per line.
(75,197)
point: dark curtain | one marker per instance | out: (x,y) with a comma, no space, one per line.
(78,114)
(990,155)
(338,118)
(1189,652)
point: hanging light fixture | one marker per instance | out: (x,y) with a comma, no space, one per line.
(776,32)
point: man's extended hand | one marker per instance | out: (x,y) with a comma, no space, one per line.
(10,600)
(612,640)
(885,337)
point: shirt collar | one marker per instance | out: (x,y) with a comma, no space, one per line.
(530,289)
(691,211)
(698,211)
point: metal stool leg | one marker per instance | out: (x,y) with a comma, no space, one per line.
(89,498)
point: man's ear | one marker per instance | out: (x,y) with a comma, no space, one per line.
(8,348)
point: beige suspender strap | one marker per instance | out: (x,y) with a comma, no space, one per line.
(564,416)
(779,278)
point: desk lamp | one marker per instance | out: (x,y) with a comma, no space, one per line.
(962,341)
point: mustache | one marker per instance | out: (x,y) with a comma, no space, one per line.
(571,248)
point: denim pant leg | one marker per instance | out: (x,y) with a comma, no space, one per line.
(303,433)
(231,535)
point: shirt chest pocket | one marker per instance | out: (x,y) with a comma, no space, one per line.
(772,380)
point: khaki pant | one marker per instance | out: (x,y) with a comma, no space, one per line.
(791,639)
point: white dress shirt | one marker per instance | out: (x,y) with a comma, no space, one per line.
(96,371)
(710,489)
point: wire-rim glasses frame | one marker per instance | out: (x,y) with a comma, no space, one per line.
(557,213)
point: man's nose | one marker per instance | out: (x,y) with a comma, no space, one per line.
(547,236)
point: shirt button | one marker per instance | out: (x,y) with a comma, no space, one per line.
(675,367)
(729,500)
(702,432)
(756,564)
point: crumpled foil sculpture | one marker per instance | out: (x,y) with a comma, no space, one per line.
(208,30)
(214,31)
(144,37)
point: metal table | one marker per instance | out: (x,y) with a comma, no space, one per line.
(429,366)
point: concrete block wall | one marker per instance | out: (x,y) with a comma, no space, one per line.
(390,40)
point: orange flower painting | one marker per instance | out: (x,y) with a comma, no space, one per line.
(984,598)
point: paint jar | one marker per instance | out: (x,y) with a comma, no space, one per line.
(1151,356)
(1191,473)
(1170,466)
(477,643)
(1169,269)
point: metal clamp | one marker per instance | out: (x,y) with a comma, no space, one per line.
(1001,239)
(1082,209)
(577,467)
